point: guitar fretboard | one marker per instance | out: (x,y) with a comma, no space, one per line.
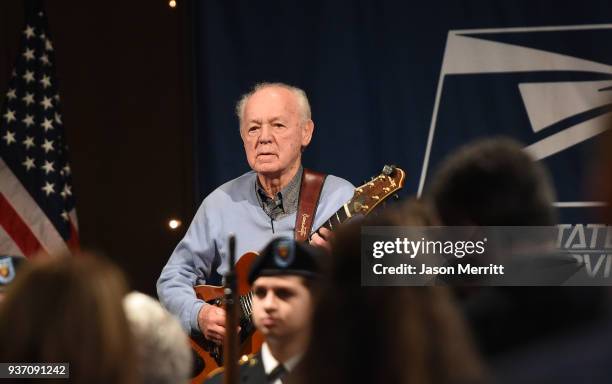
(336,219)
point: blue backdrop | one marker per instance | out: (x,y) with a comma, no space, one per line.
(406,82)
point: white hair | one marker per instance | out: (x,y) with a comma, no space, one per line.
(300,96)
(164,355)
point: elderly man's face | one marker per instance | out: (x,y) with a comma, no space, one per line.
(274,132)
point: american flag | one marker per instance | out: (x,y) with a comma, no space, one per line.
(37,205)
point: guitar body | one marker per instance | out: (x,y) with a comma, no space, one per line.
(251,340)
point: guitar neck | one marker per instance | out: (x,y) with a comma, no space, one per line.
(367,197)
(341,215)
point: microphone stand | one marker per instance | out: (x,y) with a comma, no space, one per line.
(230,349)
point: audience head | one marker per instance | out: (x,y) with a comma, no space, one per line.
(68,309)
(493,182)
(282,283)
(162,347)
(383,334)
(413,213)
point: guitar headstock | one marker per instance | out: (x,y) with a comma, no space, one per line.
(372,193)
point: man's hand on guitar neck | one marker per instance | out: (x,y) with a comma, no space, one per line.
(322,239)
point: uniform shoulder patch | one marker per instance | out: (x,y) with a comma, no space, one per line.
(7,270)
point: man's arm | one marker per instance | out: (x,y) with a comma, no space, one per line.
(190,261)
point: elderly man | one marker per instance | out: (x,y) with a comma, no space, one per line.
(275,127)
(284,280)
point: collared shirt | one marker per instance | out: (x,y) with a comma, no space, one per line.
(285,202)
(269,362)
(201,256)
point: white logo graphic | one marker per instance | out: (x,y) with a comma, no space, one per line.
(546,103)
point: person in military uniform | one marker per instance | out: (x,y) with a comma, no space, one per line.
(9,265)
(283,280)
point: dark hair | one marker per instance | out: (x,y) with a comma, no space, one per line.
(69,309)
(414,213)
(383,334)
(493,182)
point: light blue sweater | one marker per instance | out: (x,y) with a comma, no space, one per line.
(231,208)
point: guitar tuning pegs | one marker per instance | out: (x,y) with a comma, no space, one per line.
(396,197)
(388,169)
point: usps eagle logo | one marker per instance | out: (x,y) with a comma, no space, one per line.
(7,270)
(549,87)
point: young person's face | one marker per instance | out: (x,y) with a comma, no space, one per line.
(282,306)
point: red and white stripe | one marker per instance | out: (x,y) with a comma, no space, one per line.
(24,224)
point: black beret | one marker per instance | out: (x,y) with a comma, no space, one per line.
(9,265)
(285,256)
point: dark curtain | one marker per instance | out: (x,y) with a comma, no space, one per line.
(372,69)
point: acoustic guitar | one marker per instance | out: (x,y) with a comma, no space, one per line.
(210,355)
